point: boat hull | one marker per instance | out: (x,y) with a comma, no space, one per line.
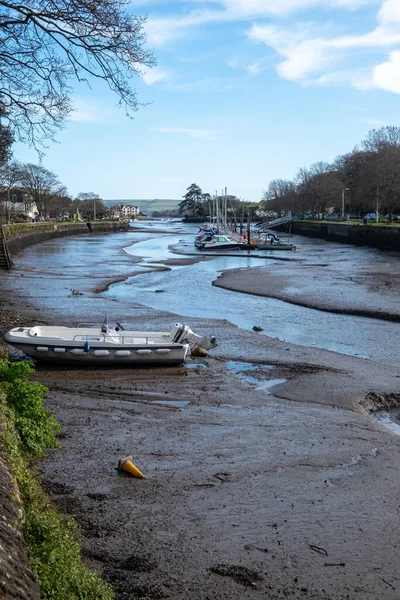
(91,347)
(135,355)
(233,246)
(274,246)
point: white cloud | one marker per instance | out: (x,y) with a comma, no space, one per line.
(390,12)
(162,30)
(254,68)
(261,8)
(193,133)
(209,84)
(309,58)
(311,52)
(86,111)
(374,122)
(360,79)
(387,75)
(154,75)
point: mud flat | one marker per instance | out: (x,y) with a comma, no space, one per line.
(340,286)
(251,491)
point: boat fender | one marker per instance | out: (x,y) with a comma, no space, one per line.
(86,347)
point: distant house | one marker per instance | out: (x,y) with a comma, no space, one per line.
(16,202)
(125,211)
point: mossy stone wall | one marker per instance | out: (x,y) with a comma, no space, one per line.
(375,236)
(22,235)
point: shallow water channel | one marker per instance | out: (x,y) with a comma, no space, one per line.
(187,290)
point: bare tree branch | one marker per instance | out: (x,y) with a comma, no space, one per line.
(45,45)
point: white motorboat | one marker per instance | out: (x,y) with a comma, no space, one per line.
(88,345)
(218,242)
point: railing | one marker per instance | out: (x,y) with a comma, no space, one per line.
(275,222)
(6,254)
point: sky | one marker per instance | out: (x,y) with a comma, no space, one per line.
(244,91)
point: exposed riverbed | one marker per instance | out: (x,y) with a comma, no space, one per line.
(266,476)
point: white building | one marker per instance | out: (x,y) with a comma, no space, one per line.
(126,212)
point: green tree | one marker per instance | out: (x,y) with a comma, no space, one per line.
(192,200)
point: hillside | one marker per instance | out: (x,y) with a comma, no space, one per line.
(147,206)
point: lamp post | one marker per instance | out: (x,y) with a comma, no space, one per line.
(343,191)
(8,206)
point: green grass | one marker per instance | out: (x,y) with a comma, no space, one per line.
(52,540)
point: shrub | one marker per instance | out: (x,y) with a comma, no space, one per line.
(52,540)
(35,424)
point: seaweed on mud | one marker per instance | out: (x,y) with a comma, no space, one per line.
(138,563)
(55,488)
(148,592)
(240,574)
(97,497)
(99,555)
(127,586)
(381,401)
(122,582)
(92,529)
(135,563)
(68,504)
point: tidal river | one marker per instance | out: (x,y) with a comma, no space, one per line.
(188,291)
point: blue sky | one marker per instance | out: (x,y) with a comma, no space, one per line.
(244,91)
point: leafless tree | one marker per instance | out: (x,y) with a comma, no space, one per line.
(90,204)
(60,204)
(280,195)
(381,139)
(6,139)
(41,185)
(9,178)
(46,44)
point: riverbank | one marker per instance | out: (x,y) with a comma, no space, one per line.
(342,286)
(250,491)
(19,236)
(382,236)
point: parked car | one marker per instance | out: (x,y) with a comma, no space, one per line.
(332,216)
(370,217)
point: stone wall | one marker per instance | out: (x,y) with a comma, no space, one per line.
(17,581)
(22,235)
(385,238)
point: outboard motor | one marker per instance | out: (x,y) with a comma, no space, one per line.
(207,342)
(182,334)
(178,333)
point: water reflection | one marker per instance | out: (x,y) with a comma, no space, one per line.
(240,369)
(389,419)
